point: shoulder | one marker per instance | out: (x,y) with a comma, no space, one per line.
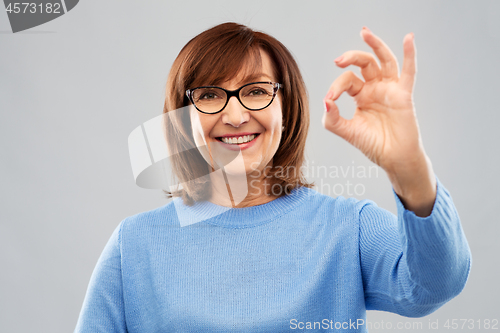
(161,216)
(339,207)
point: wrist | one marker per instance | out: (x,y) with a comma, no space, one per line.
(415,184)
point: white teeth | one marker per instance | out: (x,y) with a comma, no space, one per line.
(238,140)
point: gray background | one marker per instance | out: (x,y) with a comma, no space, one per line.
(73,89)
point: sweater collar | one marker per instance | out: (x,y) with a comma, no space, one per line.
(207,212)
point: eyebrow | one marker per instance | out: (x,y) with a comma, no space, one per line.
(253,77)
(248,79)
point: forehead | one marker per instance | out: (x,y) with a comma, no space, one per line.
(232,71)
(255,68)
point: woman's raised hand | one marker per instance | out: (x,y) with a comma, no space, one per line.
(384,126)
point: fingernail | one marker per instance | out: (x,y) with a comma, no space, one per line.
(329,95)
(339,59)
(327,108)
(365,28)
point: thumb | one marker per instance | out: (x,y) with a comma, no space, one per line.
(333,121)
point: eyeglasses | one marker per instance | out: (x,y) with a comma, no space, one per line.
(253,96)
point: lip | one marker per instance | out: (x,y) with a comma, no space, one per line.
(236,135)
(241,146)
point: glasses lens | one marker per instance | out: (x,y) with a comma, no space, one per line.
(257,96)
(210,99)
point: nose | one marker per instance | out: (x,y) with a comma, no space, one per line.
(234,113)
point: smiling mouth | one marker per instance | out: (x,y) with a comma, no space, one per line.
(238,140)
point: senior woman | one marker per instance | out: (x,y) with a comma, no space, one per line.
(282,256)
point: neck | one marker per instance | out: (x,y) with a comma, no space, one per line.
(243,191)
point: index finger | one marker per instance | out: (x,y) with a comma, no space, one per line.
(388,62)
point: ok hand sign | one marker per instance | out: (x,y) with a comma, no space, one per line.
(384,126)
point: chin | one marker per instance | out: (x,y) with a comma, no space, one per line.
(234,168)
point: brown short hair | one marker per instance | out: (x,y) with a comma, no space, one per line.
(216,55)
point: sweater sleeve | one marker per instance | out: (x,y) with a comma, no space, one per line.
(412,265)
(103,306)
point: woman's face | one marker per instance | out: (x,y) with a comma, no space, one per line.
(235,122)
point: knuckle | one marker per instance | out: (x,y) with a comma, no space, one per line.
(348,75)
(372,58)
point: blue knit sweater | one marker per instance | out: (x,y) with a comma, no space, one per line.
(303,261)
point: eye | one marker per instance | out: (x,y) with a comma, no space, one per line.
(257,92)
(207,95)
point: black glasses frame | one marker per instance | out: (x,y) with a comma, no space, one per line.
(236,93)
